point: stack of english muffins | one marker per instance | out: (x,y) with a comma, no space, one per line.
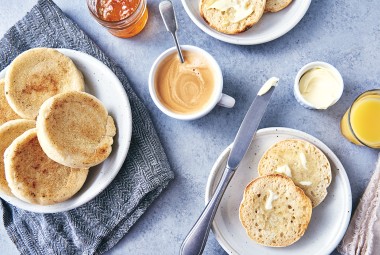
(277,206)
(51,131)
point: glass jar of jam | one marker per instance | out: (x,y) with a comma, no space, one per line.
(122,18)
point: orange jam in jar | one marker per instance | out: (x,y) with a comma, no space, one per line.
(122,18)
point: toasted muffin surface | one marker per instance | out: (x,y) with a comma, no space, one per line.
(37,74)
(75,130)
(9,131)
(35,178)
(276,5)
(274,211)
(300,160)
(225,21)
(6,112)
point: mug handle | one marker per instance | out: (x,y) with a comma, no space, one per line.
(226,101)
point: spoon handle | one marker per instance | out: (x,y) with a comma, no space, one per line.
(170,21)
(196,239)
(178,48)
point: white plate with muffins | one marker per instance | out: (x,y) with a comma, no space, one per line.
(68,123)
(267,25)
(329,218)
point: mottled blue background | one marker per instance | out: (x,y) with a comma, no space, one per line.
(343,33)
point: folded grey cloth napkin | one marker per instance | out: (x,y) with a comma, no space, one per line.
(99,224)
(363,233)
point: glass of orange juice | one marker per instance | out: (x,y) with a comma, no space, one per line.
(361,123)
(122,18)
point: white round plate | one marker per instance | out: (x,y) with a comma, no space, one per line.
(101,82)
(269,27)
(329,220)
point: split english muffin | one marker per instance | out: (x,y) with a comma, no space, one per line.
(276,5)
(75,130)
(37,74)
(6,112)
(36,179)
(231,16)
(304,163)
(8,133)
(274,211)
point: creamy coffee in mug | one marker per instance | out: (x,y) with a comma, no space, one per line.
(190,90)
(187,87)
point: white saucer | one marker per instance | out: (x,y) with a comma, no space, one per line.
(270,26)
(329,220)
(101,82)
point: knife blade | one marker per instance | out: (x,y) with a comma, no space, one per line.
(195,241)
(248,129)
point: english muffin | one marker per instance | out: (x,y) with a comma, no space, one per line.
(9,132)
(6,112)
(35,178)
(37,74)
(75,130)
(308,167)
(230,18)
(274,211)
(276,5)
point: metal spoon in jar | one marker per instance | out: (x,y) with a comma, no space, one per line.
(170,21)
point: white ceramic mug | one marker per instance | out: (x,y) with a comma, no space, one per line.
(217,97)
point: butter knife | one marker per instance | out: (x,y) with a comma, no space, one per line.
(195,241)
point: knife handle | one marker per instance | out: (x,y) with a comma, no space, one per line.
(196,240)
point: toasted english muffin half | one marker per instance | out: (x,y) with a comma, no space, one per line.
(276,5)
(75,130)
(35,178)
(222,15)
(300,160)
(9,131)
(274,211)
(37,74)
(6,112)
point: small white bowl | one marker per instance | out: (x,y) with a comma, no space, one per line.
(301,100)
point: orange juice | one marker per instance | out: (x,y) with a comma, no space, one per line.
(361,123)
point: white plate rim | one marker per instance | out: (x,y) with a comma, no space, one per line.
(223,157)
(240,41)
(55,208)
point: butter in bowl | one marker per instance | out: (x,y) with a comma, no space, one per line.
(318,85)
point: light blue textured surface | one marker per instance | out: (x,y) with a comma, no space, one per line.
(342,33)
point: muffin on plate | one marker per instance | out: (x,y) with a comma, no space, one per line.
(301,161)
(274,211)
(231,17)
